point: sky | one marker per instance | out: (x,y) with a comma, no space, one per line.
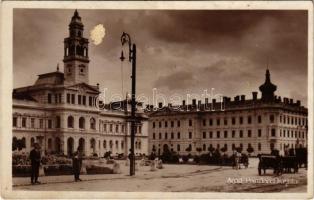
(179,52)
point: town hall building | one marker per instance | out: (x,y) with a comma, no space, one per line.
(61,110)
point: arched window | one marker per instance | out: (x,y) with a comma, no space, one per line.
(49,143)
(92,123)
(122,145)
(139,145)
(204,147)
(70,122)
(105,144)
(23,142)
(32,142)
(110,144)
(82,123)
(117,144)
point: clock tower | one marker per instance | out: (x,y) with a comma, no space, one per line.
(76,53)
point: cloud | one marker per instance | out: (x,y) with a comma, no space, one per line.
(181,50)
(97,34)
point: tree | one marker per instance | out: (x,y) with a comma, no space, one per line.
(211,149)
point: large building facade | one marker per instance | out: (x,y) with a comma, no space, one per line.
(62,111)
(262,123)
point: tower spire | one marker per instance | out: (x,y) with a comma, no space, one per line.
(267,88)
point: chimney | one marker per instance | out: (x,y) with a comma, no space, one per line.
(291,101)
(298,102)
(183,102)
(279,98)
(206,101)
(199,103)
(254,96)
(214,101)
(194,102)
(159,105)
(285,99)
(151,107)
(242,97)
(236,98)
(169,105)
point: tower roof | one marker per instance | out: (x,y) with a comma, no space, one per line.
(76,19)
(267,88)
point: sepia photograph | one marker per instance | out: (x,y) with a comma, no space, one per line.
(167,100)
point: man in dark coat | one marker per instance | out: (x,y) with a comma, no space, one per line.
(77,163)
(35,158)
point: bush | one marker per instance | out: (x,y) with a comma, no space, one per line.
(170,157)
(98,170)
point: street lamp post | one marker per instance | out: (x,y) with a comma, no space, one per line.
(125,38)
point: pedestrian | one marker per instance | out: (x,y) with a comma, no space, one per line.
(77,163)
(35,158)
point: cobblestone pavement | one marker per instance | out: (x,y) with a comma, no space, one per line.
(175,178)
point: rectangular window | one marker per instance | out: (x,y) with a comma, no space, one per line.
(225,121)
(204,122)
(179,135)
(233,120)
(41,123)
(105,127)
(166,136)
(241,120)
(210,134)
(225,134)
(218,122)
(84,100)
(204,135)
(90,101)
(32,122)
(273,132)
(241,134)
(68,98)
(110,128)
(140,129)
(117,128)
(218,134)
(73,98)
(56,98)
(159,124)
(49,98)
(154,136)
(272,118)
(249,133)
(159,135)
(178,147)
(49,123)
(259,132)
(259,119)
(24,122)
(172,124)
(178,123)
(249,120)
(79,99)
(190,135)
(154,124)
(172,136)
(210,122)
(60,97)
(166,124)
(14,121)
(233,133)
(190,122)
